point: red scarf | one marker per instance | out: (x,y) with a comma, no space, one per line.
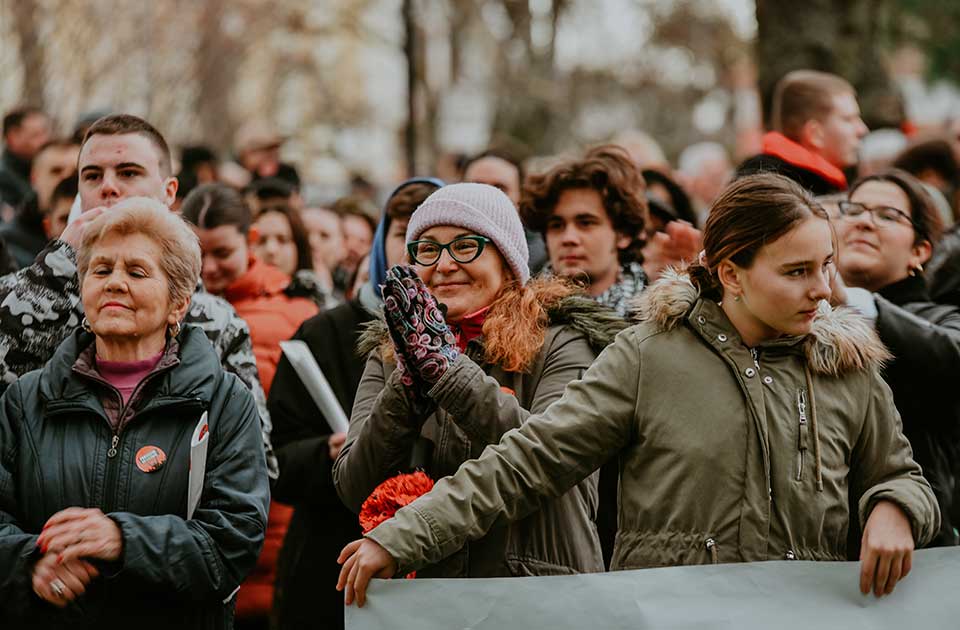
(469,328)
(778,145)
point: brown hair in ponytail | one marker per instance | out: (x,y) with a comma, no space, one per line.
(751,212)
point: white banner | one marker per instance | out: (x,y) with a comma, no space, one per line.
(778,595)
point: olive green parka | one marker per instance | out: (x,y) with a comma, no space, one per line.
(475,404)
(726,453)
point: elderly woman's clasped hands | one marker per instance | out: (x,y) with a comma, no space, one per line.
(68,539)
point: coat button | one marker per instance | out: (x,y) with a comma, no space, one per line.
(790,555)
(701,319)
(768,379)
(750,372)
(721,338)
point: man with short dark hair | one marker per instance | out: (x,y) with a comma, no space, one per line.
(25,131)
(122,156)
(501,170)
(816,132)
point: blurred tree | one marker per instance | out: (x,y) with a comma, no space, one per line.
(31,51)
(932,25)
(845,37)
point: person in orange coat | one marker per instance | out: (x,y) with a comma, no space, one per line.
(264,297)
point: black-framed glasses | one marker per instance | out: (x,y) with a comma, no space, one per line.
(462,249)
(882,215)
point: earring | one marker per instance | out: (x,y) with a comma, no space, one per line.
(736,298)
(85,324)
(175,329)
(916,270)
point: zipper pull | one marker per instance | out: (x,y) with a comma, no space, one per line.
(756,357)
(113,447)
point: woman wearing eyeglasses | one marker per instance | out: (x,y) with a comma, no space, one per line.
(886,231)
(469,349)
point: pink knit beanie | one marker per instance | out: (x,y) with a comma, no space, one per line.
(482,209)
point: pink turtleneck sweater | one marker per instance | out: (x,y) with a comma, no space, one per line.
(126,375)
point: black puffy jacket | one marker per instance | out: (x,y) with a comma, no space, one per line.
(924,338)
(173,572)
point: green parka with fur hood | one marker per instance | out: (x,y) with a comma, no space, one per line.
(725,454)
(476,403)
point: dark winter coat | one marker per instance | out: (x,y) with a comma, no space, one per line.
(173,572)
(924,339)
(307,570)
(24,235)
(14,179)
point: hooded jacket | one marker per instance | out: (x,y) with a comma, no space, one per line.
(477,404)
(55,442)
(725,455)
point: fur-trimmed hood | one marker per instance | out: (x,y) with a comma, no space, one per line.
(840,341)
(599,323)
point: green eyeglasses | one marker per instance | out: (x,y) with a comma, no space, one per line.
(462,249)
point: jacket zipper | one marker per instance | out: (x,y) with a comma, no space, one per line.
(802,430)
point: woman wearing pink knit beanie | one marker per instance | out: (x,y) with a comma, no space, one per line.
(468,349)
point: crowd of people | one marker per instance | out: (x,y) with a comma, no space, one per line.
(604,363)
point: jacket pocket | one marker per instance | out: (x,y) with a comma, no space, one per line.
(642,550)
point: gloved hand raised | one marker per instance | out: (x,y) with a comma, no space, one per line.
(424,345)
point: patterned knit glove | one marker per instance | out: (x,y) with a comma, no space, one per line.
(424,345)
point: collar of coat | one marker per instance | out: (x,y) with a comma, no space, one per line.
(840,341)
(196,377)
(778,145)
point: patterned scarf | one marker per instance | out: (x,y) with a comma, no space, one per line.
(630,283)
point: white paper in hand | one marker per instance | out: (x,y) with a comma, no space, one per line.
(198,464)
(300,357)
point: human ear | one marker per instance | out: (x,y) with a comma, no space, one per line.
(170,191)
(729,275)
(623,241)
(920,254)
(811,134)
(178,311)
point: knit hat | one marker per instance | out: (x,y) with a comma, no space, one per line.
(482,209)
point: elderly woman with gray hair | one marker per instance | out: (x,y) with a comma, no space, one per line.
(98,523)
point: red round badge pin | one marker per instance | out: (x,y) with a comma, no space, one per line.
(150,459)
